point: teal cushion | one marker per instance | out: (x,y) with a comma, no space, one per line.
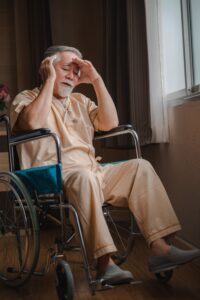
(44,180)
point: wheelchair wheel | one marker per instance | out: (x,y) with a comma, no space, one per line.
(19,233)
(165,276)
(64,281)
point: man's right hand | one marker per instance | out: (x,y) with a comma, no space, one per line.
(47,70)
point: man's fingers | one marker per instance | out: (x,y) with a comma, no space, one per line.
(54,59)
(49,59)
(81,62)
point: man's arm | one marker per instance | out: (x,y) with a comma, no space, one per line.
(107,115)
(35,114)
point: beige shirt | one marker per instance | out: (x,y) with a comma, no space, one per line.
(73,120)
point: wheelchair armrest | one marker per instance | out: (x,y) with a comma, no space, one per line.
(30,134)
(117,129)
(120,130)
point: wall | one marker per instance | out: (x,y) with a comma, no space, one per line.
(178,164)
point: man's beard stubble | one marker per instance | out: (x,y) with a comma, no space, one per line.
(65,91)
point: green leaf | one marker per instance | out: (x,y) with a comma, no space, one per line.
(2,105)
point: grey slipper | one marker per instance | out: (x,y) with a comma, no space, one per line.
(114,275)
(175,257)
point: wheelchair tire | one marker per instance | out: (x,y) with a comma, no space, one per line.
(19,231)
(64,281)
(165,276)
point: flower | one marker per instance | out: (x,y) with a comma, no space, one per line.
(4,96)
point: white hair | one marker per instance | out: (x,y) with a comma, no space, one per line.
(55,49)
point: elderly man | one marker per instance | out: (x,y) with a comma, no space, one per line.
(134,184)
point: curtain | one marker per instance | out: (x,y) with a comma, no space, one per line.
(39,32)
(159,120)
(126,64)
(124,47)
(33,36)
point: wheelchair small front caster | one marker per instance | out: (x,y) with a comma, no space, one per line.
(64,281)
(164,276)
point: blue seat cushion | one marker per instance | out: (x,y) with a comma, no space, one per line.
(44,180)
(113,162)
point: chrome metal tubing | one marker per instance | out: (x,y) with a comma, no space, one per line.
(126,131)
(50,134)
(91,282)
(6,120)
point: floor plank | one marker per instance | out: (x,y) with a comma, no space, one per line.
(184,285)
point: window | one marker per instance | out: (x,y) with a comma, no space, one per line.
(173,39)
(194,25)
(179,24)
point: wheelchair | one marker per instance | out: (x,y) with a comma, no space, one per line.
(26,203)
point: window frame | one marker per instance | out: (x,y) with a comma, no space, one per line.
(191,90)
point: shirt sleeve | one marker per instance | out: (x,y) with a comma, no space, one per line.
(93,111)
(20,101)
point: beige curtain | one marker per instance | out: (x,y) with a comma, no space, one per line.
(158,97)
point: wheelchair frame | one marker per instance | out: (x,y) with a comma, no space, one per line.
(94,284)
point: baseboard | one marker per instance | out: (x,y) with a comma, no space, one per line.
(187,246)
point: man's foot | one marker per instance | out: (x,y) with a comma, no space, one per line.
(174,257)
(114,275)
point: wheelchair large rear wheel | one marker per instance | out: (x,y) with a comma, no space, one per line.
(19,232)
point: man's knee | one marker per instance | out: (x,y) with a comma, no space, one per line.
(82,188)
(140,163)
(141,167)
(80,178)
(82,175)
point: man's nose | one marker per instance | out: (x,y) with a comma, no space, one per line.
(70,74)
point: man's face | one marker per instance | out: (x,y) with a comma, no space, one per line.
(67,74)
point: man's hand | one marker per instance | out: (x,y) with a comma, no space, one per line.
(106,117)
(47,70)
(88,73)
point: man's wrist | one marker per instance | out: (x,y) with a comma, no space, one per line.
(96,80)
(50,80)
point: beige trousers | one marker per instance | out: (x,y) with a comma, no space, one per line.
(132,184)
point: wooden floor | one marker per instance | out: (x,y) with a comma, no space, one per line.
(184,285)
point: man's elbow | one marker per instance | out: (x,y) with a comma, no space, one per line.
(114,124)
(110,125)
(27,124)
(33,124)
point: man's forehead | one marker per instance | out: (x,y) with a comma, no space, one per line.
(67,60)
(67,56)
